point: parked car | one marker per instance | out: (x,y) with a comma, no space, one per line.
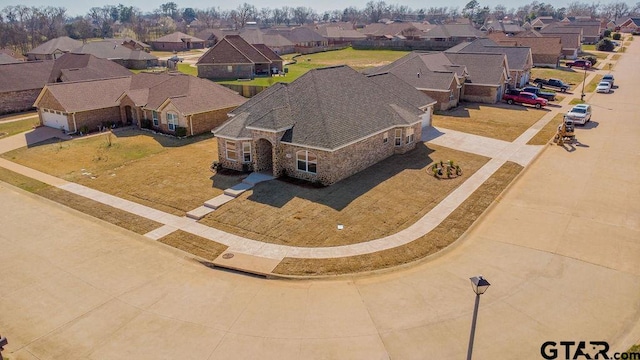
(609,78)
(552,83)
(524,98)
(579,114)
(549,95)
(585,64)
(603,87)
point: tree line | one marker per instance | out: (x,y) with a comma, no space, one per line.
(23,28)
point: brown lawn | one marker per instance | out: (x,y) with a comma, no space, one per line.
(502,122)
(379,201)
(443,235)
(165,173)
(547,132)
(194,244)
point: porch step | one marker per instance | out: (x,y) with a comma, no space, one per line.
(218,201)
(200,212)
(256,177)
(238,189)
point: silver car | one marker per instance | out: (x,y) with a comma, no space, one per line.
(580,114)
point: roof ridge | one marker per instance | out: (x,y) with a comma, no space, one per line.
(240,51)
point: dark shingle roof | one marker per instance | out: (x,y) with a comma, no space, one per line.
(63,43)
(325,108)
(483,68)
(233,49)
(424,70)
(8,59)
(301,35)
(89,95)
(401,88)
(273,40)
(266,51)
(518,57)
(26,75)
(77,67)
(178,37)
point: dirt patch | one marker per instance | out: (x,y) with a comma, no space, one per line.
(442,236)
(194,244)
(378,201)
(90,207)
(502,122)
(547,132)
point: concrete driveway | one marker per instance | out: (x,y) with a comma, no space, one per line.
(560,249)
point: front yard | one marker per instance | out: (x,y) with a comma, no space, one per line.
(165,173)
(379,201)
(502,122)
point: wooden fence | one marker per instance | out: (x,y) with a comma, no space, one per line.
(404,45)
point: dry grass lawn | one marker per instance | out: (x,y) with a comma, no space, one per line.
(16,127)
(161,172)
(98,210)
(547,132)
(194,244)
(502,122)
(571,77)
(442,236)
(379,201)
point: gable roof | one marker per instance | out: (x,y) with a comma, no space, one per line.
(177,37)
(267,52)
(256,36)
(112,50)
(519,58)
(233,49)
(403,89)
(326,108)
(87,95)
(8,59)
(25,75)
(539,45)
(423,70)
(63,44)
(12,53)
(482,68)
(77,67)
(300,35)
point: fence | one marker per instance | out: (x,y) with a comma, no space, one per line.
(247,91)
(404,45)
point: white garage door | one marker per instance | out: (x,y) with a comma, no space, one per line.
(57,121)
(426,119)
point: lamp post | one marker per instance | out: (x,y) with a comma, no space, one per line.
(584,79)
(479,286)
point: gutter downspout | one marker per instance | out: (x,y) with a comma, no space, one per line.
(191,124)
(75,126)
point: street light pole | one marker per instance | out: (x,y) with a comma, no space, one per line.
(479,285)
(584,79)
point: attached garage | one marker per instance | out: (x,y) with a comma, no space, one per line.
(55,119)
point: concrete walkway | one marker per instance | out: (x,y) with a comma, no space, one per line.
(499,151)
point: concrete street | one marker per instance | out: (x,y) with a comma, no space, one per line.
(560,248)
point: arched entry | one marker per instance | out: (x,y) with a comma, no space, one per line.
(264,156)
(131,115)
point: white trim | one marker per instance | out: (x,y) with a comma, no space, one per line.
(268,130)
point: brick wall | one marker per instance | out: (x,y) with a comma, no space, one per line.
(220,72)
(94,118)
(544,60)
(481,94)
(205,122)
(17,101)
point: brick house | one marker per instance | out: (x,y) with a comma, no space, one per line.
(519,58)
(128,54)
(177,41)
(545,51)
(488,76)
(162,102)
(53,48)
(570,41)
(22,82)
(325,126)
(234,58)
(631,26)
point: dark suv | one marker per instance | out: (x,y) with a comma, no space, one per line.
(585,64)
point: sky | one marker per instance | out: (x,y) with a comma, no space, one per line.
(78,7)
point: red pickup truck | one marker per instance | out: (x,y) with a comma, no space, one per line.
(524,98)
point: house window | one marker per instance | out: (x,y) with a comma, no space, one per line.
(154,116)
(246,151)
(398,137)
(229,68)
(307,161)
(231,150)
(385,138)
(172,121)
(409,135)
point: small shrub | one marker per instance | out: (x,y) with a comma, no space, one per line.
(145,123)
(607,33)
(181,131)
(605,45)
(617,36)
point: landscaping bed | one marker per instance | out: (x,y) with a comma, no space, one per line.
(442,236)
(378,201)
(502,122)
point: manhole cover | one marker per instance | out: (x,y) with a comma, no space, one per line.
(227,256)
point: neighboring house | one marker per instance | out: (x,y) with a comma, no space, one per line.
(541,21)
(177,41)
(339,33)
(22,82)
(453,32)
(12,54)
(234,58)
(557,29)
(591,32)
(570,41)
(159,101)
(431,73)
(53,48)
(325,126)
(631,26)
(488,75)
(303,38)
(116,51)
(502,27)
(392,31)
(212,36)
(276,42)
(545,51)
(519,58)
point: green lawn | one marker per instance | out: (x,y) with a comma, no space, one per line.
(188,69)
(17,127)
(357,59)
(569,76)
